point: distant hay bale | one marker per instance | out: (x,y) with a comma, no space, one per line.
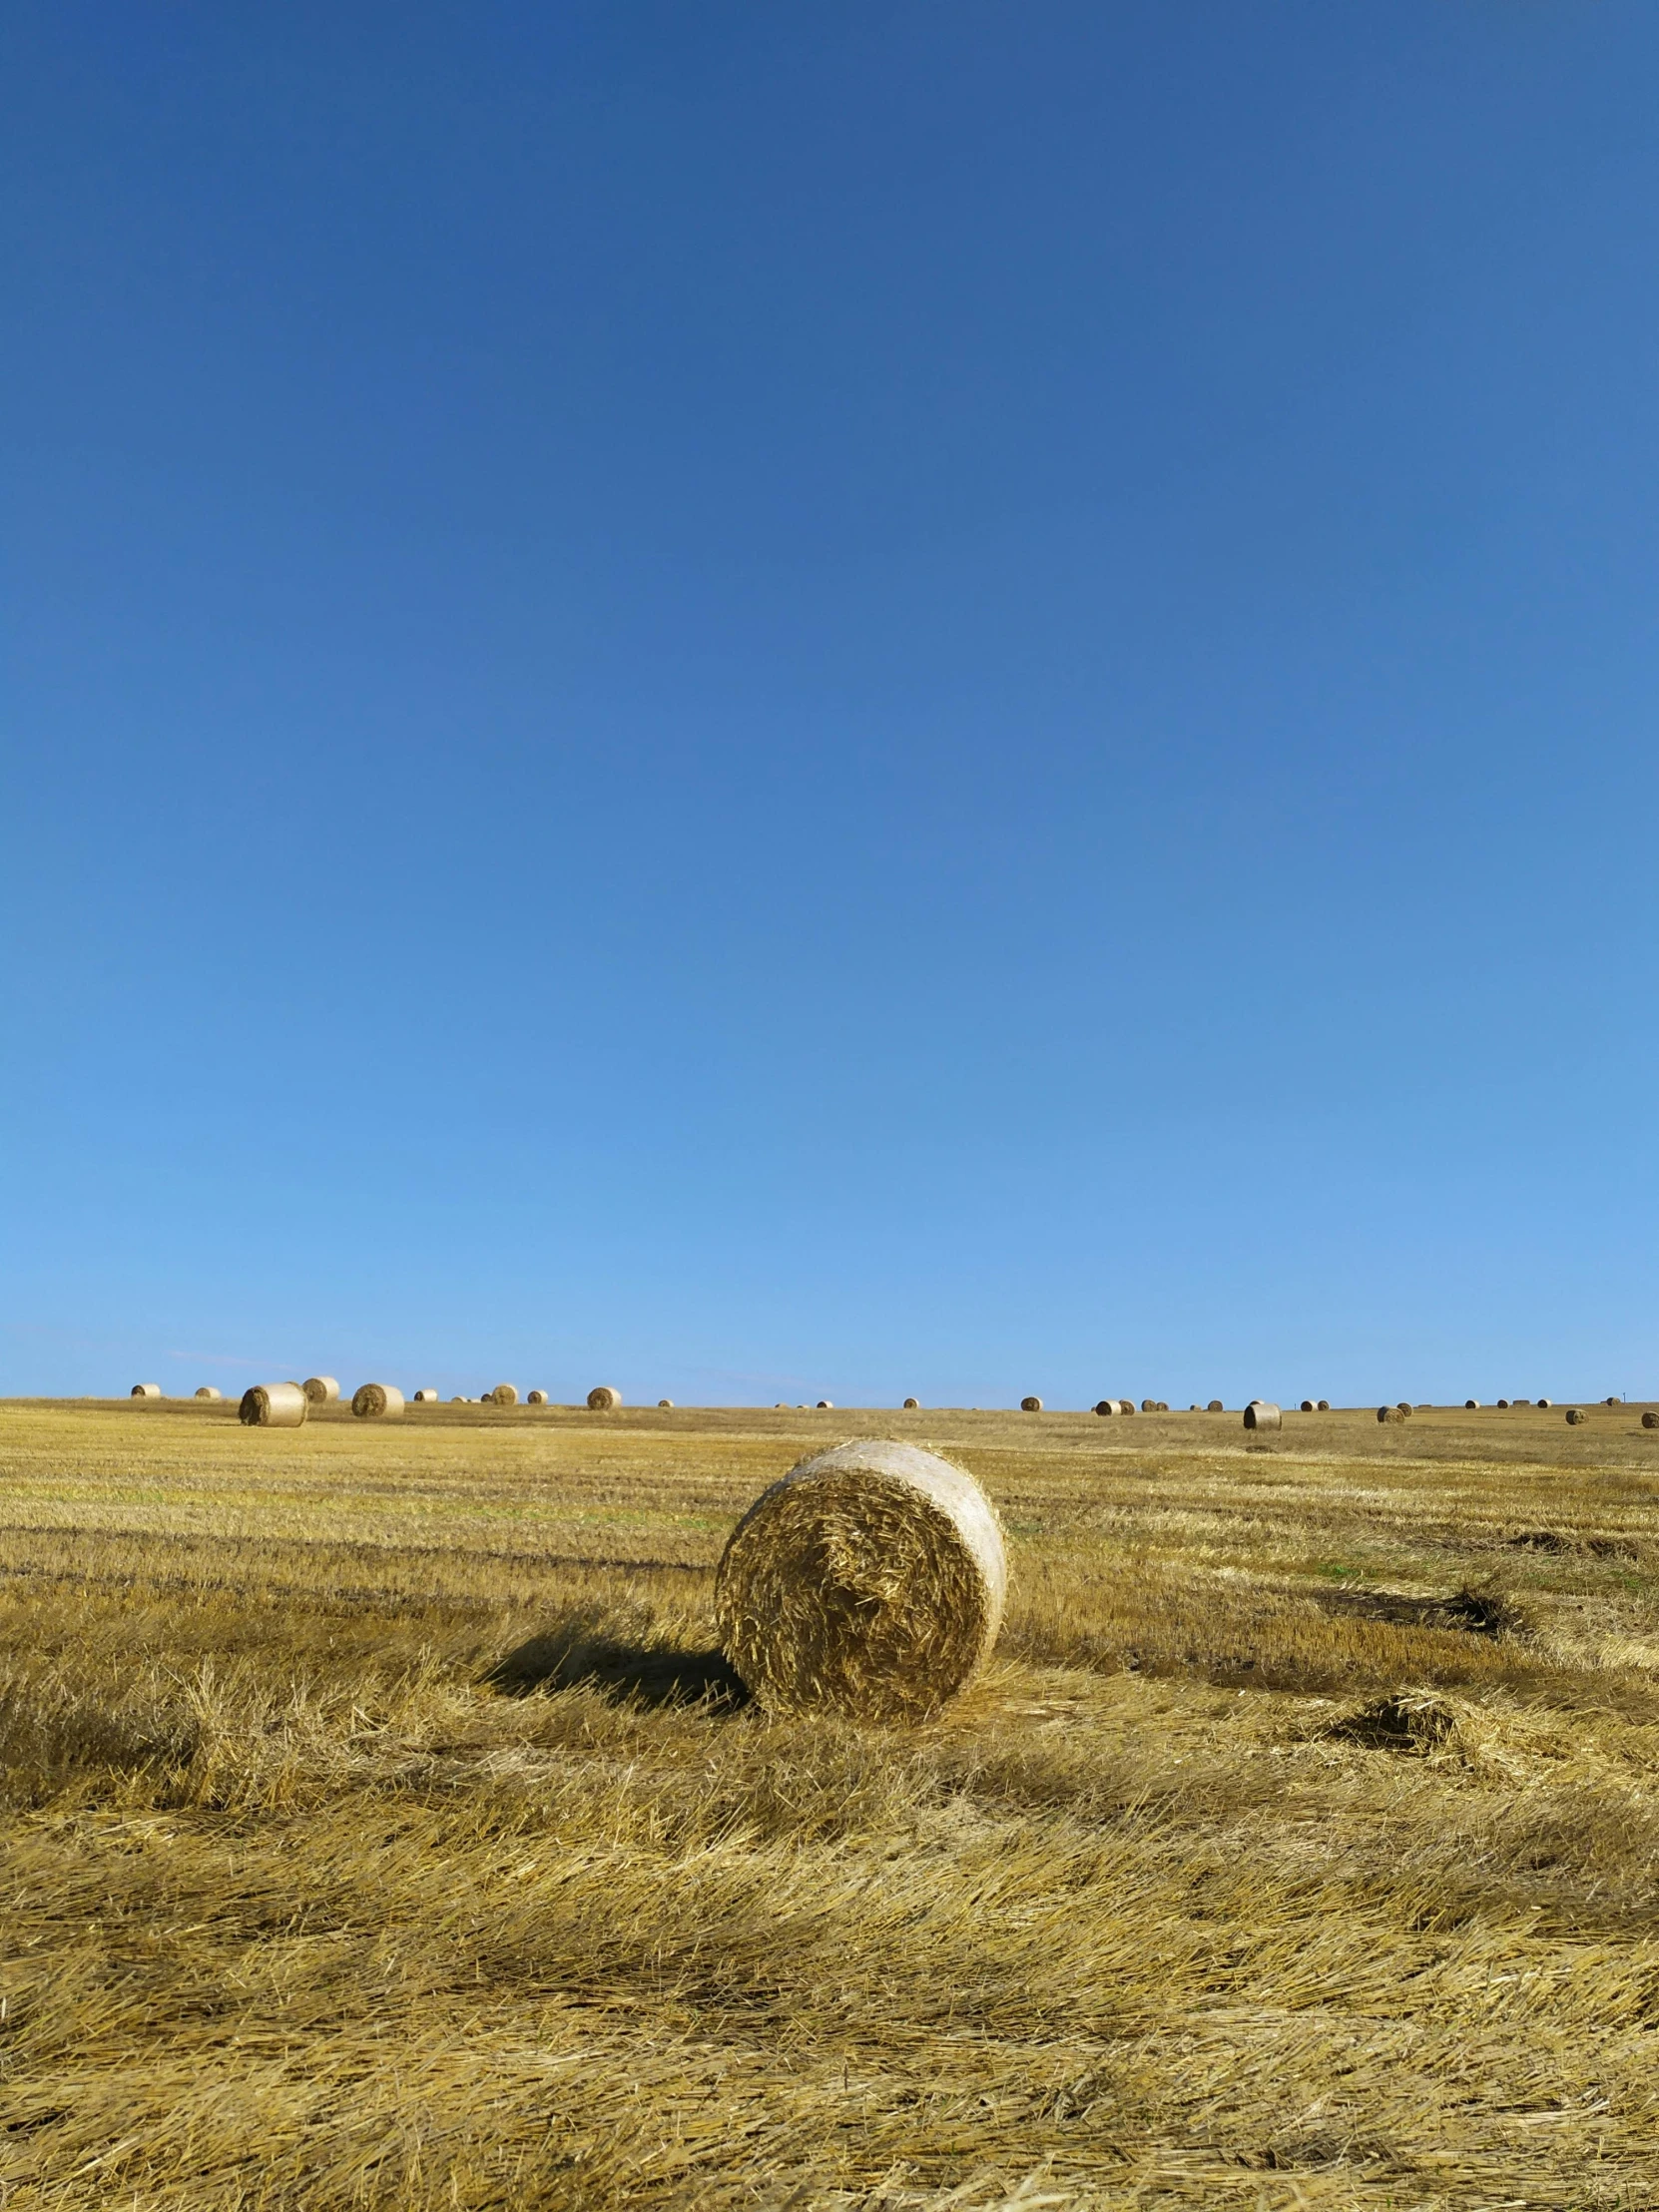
(1307,1406)
(1030,1404)
(1390,1412)
(826,1406)
(1503,1405)
(604,1400)
(1650,1421)
(321,1389)
(913,1406)
(1215,1406)
(536,1398)
(1404,1409)
(504,1393)
(1574,1416)
(376,1402)
(1260,1413)
(1609,1401)
(1162,1405)
(1546,1404)
(869,1582)
(208,1391)
(1324,1405)
(426,1398)
(274,1405)
(665,1405)
(457,1401)
(1149,1405)
(1110,1406)
(145,1390)
(1472,1406)
(1126,1405)
(1195,1407)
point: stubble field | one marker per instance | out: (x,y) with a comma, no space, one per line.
(382,1832)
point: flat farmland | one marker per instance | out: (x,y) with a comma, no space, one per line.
(384,1830)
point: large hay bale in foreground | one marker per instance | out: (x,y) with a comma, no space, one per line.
(376,1402)
(1030,1404)
(208,1391)
(604,1400)
(274,1405)
(1260,1413)
(1650,1421)
(321,1389)
(145,1390)
(869,1582)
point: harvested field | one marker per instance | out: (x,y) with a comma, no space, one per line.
(384,1830)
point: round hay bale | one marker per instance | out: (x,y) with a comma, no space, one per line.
(1503,1405)
(1650,1421)
(145,1390)
(426,1398)
(1307,1406)
(1574,1416)
(1260,1413)
(536,1398)
(1546,1404)
(376,1402)
(1149,1405)
(665,1405)
(604,1400)
(457,1401)
(1030,1404)
(1324,1405)
(1162,1405)
(913,1406)
(274,1405)
(1609,1401)
(1404,1409)
(1195,1407)
(869,1582)
(504,1393)
(1390,1412)
(826,1406)
(1126,1405)
(1109,1406)
(321,1389)
(1215,1406)
(208,1391)
(1472,1406)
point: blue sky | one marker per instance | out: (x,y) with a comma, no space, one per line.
(773,702)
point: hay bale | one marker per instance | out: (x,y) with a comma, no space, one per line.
(1324,1405)
(1126,1405)
(665,1405)
(376,1402)
(208,1391)
(504,1393)
(1149,1405)
(1574,1416)
(321,1389)
(1307,1406)
(426,1398)
(274,1405)
(604,1400)
(1503,1405)
(913,1406)
(1609,1401)
(1030,1404)
(1390,1412)
(1404,1409)
(1110,1406)
(1260,1413)
(1546,1404)
(145,1390)
(1215,1406)
(1650,1421)
(1163,1406)
(826,1406)
(1472,1406)
(869,1582)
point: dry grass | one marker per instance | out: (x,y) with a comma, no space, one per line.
(383,1832)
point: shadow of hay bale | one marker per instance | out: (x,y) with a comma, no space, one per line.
(583,1653)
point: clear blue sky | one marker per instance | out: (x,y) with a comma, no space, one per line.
(837,700)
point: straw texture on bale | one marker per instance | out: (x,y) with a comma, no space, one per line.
(208,1391)
(321,1389)
(604,1400)
(1149,1405)
(1650,1421)
(1574,1415)
(1030,1404)
(504,1393)
(145,1390)
(869,1582)
(1215,1406)
(1260,1413)
(274,1405)
(376,1402)
(913,1406)
(1390,1412)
